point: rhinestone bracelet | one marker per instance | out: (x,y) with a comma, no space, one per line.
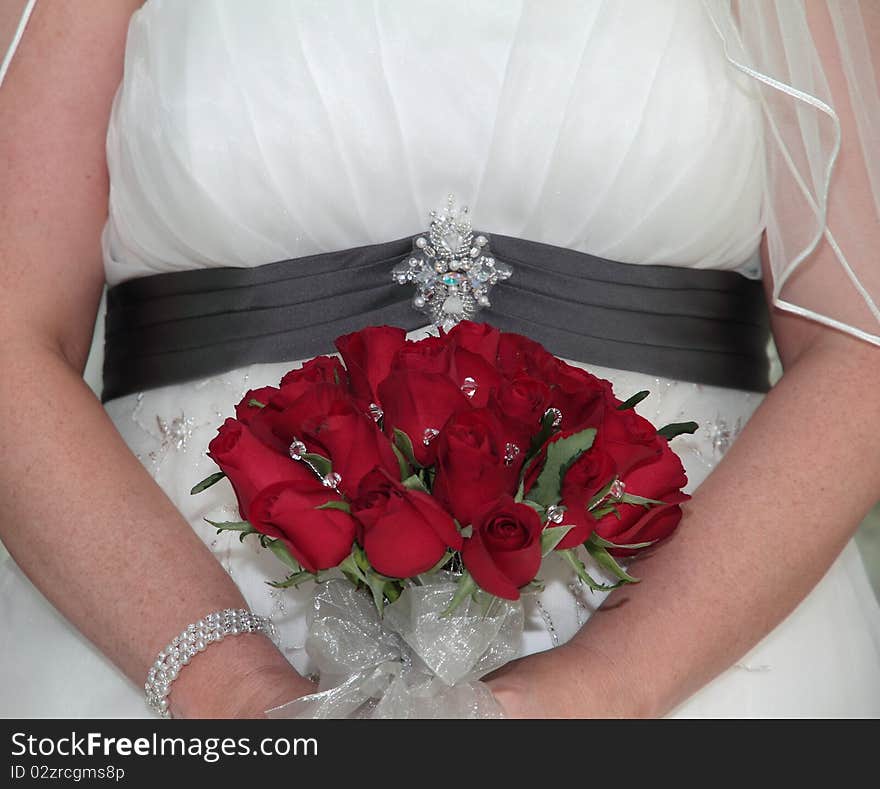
(196,638)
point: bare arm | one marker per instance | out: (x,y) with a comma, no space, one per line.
(82,517)
(803,474)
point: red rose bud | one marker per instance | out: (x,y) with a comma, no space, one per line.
(281,421)
(474,464)
(367,355)
(661,479)
(520,403)
(420,404)
(350,439)
(317,538)
(479,338)
(518,355)
(630,439)
(428,355)
(475,377)
(246,410)
(504,552)
(320,370)
(249,464)
(403,532)
(582,398)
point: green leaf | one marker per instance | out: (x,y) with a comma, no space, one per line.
(580,569)
(377,584)
(256,403)
(402,462)
(335,504)
(595,539)
(414,482)
(317,463)
(520,491)
(631,498)
(634,400)
(405,445)
(350,567)
(207,482)
(560,456)
(607,562)
(600,496)
(466,587)
(392,591)
(676,429)
(292,580)
(281,551)
(242,526)
(543,434)
(538,441)
(360,558)
(537,585)
(552,536)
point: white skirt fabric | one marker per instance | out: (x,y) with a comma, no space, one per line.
(824,660)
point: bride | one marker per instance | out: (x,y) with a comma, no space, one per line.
(680,135)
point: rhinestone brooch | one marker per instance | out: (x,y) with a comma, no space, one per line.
(452,269)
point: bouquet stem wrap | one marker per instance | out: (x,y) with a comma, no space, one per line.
(413,662)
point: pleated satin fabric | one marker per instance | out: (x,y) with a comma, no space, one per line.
(694,325)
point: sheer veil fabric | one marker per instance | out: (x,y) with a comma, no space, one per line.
(671,132)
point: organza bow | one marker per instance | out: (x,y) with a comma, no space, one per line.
(415,661)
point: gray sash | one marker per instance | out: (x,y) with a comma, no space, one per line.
(705,326)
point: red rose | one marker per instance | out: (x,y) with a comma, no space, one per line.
(586,477)
(403,532)
(661,479)
(476,378)
(428,355)
(630,439)
(320,370)
(245,412)
(281,420)
(504,552)
(479,338)
(329,423)
(472,464)
(249,464)
(518,355)
(520,403)
(420,404)
(582,398)
(368,354)
(318,539)
(324,375)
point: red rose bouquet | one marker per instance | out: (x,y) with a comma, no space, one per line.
(434,476)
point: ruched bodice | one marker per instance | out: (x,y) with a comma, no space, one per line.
(240,137)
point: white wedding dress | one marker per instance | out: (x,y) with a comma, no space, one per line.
(248,133)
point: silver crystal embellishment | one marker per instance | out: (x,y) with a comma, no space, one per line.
(453,271)
(555,514)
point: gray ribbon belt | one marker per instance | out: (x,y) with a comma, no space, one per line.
(704,326)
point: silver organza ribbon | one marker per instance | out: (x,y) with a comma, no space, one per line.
(413,662)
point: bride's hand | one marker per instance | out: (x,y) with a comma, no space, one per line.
(565,682)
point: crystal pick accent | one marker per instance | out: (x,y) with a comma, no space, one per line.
(453,270)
